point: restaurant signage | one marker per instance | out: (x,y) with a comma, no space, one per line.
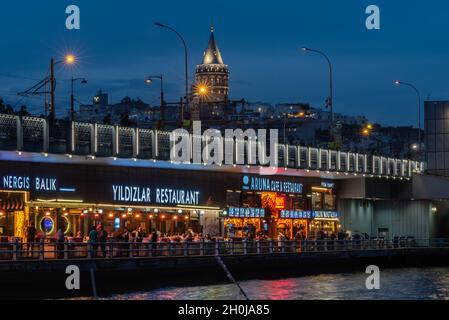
(246,212)
(144,195)
(26,183)
(289,214)
(263,184)
(326,214)
(328,185)
(121,186)
(280,202)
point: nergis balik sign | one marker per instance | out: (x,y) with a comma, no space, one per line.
(26,183)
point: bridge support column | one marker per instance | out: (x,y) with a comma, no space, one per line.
(19,133)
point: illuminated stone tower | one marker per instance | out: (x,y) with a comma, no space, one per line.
(212,76)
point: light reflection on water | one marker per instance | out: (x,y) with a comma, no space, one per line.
(408,284)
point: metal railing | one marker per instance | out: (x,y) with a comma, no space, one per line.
(54,251)
(30,134)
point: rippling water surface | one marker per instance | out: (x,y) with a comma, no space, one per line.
(409,284)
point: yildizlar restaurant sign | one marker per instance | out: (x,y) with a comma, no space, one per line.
(157,195)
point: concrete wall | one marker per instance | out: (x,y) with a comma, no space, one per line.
(354,188)
(430,187)
(401,218)
(357,215)
(439,220)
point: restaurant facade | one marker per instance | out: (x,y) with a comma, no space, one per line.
(53,192)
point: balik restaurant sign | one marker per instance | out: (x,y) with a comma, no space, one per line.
(26,183)
(264,184)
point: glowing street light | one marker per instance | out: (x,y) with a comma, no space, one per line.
(70,59)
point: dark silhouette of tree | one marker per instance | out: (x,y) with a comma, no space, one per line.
(107,119)
(23,112)
(6,108)
(125,121)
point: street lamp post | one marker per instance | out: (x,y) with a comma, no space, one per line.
(69,59)
(149,81)
(72,96)
(186,57)
(330,101)
(418,94)
(285,129)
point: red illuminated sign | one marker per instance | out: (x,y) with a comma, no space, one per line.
(280,202)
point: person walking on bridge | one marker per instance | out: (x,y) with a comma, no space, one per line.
(93,242)
(31,238)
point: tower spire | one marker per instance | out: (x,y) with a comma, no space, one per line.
(212,54)
(213,73)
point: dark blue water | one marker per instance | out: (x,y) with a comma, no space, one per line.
(399,284)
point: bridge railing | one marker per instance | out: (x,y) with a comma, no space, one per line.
(66,250)
(30,134)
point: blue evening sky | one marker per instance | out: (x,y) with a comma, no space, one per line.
(260,40)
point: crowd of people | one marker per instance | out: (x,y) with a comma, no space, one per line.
(126,239)
(127,242)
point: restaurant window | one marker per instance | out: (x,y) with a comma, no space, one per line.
(317,201)
(251,200)
(297,202)
(329,202)
(233,199)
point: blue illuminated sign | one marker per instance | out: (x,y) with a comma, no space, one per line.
(246,212)
(263,184)
(133,194)
(328,185)
(288,214)
(326,214)
(26,183)
(117,223)
(300,214)
(47,225)
(16,183)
